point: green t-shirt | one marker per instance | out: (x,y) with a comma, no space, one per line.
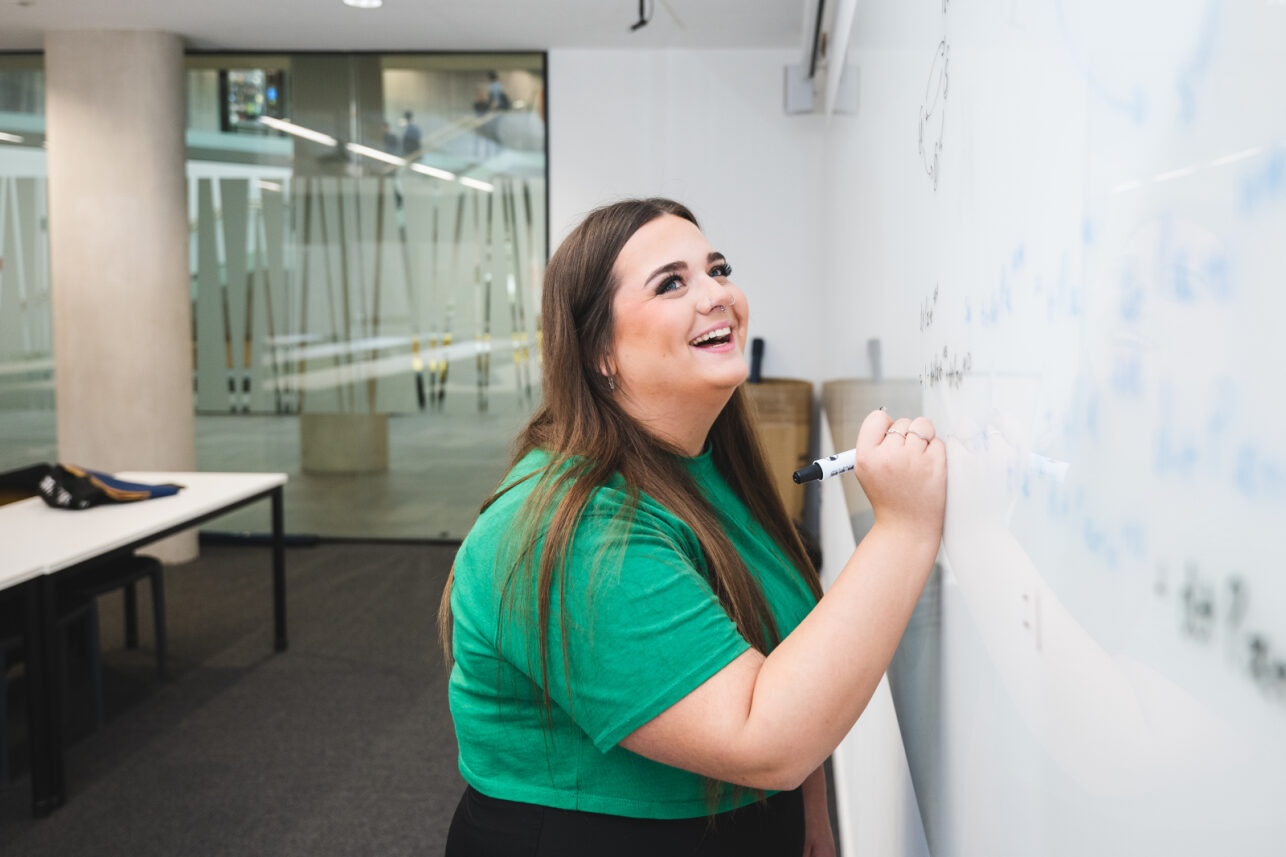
(646,629)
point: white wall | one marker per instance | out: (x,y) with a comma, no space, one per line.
(706,128)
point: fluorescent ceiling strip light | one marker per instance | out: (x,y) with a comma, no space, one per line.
(364,4)
(268,185)
(367,151)
(474,183)
(10,138)
(1174,174)
(433,171)
(298,131)
(1124,186)
(1237,156)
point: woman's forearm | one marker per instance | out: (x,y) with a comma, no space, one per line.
(768,722)
(810,690)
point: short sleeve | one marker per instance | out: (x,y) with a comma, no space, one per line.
(644,627)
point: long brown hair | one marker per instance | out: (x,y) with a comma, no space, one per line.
(590,438)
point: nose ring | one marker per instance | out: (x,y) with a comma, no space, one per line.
(723,308)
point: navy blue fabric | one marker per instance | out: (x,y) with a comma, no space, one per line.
(111,481)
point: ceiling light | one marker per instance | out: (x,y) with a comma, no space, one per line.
(433,171)
(1237,156)
(1182,172)
(298,131)
(359,149)
(9,138)
(477,185)
(364,4)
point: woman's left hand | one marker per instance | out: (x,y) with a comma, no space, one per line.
(818,839)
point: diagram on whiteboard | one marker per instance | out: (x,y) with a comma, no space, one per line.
(933,111)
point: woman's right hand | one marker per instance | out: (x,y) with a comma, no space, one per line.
(902,467)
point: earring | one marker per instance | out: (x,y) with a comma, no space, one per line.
(611,383)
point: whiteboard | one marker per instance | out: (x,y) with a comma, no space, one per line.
(1067,220)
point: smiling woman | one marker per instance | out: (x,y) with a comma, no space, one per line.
(642,659)
(680,331)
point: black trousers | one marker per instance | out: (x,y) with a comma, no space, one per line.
(489,827)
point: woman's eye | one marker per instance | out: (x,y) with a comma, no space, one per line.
(669,285)
(724,270)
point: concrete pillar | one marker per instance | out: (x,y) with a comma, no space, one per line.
(118,245)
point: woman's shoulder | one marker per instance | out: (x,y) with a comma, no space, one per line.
(534,470)
(613,517)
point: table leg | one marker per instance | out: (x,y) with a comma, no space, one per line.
(44,698)
(278,571)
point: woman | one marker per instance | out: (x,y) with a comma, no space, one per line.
(643,661)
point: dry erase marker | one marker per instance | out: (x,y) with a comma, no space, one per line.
(824,468)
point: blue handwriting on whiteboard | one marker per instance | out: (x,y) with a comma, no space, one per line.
(1130,307)
(1127,374)
(1264,183)
(1195,68)
(1174,456)
(1258,477)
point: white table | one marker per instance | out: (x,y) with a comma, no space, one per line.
(38,542)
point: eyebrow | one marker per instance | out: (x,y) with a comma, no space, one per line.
(674,267)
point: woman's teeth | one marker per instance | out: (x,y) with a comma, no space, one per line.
(717,333)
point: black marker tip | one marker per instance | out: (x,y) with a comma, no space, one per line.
(811,473)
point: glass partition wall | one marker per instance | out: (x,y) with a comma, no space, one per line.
(367,241)
(27,429)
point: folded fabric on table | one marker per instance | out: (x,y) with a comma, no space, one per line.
(67,486)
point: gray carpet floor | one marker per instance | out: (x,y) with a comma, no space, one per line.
(341,745)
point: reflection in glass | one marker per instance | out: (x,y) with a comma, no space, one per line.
(367,243)
(249,95)
(27,428)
